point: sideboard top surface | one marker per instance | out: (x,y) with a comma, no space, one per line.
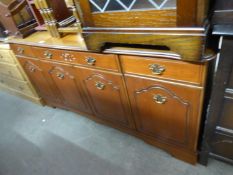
(44,39)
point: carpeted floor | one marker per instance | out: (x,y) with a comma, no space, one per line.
(38,140)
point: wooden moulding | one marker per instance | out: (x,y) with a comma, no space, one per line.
(188,43)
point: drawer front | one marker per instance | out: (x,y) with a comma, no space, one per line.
(6,56)
(222,145)
(54,54)
(102,61)
(164,69)
(22,50)
(230,81)
(226,118)
(21,86)
(11,71)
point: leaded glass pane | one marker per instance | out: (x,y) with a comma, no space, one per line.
(130,5)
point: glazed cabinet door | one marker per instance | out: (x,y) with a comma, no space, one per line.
(107,96)
(67,84)
(146,13)
(38,75)
(165,111)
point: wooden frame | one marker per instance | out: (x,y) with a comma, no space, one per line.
(188,14)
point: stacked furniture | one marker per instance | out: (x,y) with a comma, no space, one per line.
(218,137)
(12,77)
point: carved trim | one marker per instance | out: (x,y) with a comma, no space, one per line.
(173,96)
(28,65)
(108,82)
(60,71)
(68,57)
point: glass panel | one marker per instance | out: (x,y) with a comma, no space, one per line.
(130,5)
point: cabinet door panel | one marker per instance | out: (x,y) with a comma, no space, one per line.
(107,95)
(64,79)
(165,111)
(38,76)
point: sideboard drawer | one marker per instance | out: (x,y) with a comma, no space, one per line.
(226,115)
(11,71)
(103,61)
(163,68)
(55,54)
(21,86)
(222,145)
(6,56)
(22,50)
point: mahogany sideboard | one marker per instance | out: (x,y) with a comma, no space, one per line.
(157,99)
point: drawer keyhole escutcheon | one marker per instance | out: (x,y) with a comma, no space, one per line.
(60,76)
(157,69)
(20,50)
(68,57)
(100,85)
(48,55)
(159,99)
(90,61)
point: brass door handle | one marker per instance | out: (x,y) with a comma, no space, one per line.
(60,76)
(48,55)
(157,69)
(100,85)
(90,61)
(159,99)
(20,50)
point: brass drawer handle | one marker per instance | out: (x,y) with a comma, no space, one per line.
(100,85)
(157,69)
(159,99)
(60,76)
(90,61)
(20,50)
(48,55)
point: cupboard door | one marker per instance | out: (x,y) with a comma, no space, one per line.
(107,96)
(66,83)
(165,111)
(38,76)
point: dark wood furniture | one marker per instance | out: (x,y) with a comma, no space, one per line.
(17,18)
(218,136)
(159,101)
